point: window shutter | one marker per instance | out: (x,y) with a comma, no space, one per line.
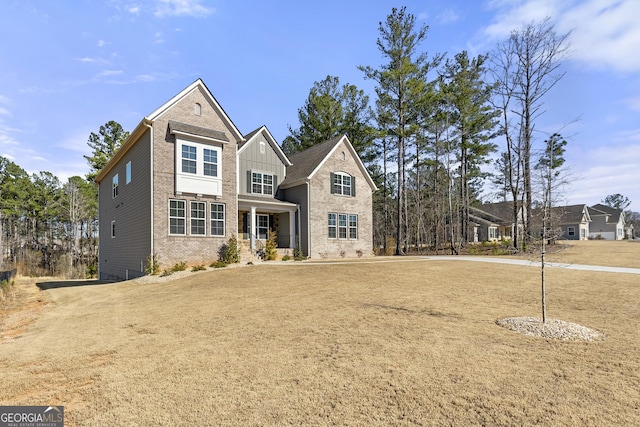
(275,185)
(353,186)
(249,182)
(332,180)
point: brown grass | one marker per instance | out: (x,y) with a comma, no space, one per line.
(621,253)
(407,342)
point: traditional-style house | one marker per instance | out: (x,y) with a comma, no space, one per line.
(186,180)
(494,221)
(606,223)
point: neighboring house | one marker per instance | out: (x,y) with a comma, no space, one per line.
(186,180)
(494,221)
(571,222)
(606,223)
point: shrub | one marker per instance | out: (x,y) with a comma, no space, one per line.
(343,254)
(286,257)
(92,271)
(152,267)
(180,266)
(297,254)
(270,251)
(198,268)
(218,264)
(166,273)
(230,251)
(359,253)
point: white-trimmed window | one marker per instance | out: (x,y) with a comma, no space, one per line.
(343,184)
(198,218)
(114,186)
(198,168)
(353,226)
(177,217)
(189,159)
(493,232)
(262,183)
(332,225)
(342,226)
(210,162)
(217,219)
(113,229)
(197,109)
(571,231)
(128,172)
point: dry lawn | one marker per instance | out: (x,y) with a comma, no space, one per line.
(621,253)
(394,342)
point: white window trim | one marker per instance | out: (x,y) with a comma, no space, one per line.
(334,227)
(223,220)
(198,182)
(193,219)
(341,186)
(128,172)
(262,184)
(114,186)
(184,217)
(337,227)
(113,229)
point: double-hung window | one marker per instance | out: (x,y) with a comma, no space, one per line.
(189,159)
(342,226)
(571,231)
(353,227)
(177,217)
(262,183)
(198,218)
(332,225)
(343,184)
(210,162)
(217,219)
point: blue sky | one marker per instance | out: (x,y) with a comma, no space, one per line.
(68,67)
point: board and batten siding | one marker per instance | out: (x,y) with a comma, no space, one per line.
(259,159)
(125,255)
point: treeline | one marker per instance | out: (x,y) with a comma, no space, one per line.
(434,125)
(47,228)
(50,228)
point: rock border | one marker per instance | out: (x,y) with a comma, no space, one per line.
(551,329)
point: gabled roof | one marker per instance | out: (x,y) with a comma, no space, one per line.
(147,122)
(601,209)
(248,139)
(499,212)
(573,214)
(198,84)
(306,163)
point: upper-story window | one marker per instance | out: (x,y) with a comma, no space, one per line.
(210,162)
(262,183)
(114,183)
(128,172)
(197,109)
(343,183)
(189,159)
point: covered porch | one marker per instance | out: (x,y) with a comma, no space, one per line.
(259,215)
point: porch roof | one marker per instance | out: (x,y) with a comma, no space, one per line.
(266,203)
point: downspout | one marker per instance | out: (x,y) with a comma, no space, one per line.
(148,123)
(308,221)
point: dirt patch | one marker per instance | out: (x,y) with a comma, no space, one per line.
(21,306)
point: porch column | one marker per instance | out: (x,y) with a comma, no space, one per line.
(292,228)
(252,228)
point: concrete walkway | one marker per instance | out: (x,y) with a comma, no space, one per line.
(536,263)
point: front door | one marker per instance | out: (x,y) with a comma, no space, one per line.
(262,226)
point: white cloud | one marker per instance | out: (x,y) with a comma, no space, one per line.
(604,33)
(447,17)
(86,60)
(4,112)
(133,9)
(102,43)
(164,8)
(110,73)
(4,99)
